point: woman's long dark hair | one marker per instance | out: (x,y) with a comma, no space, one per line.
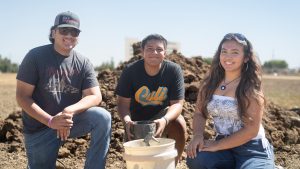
(248,87)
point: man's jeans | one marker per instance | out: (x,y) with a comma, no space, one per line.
(251,155)
(42,147)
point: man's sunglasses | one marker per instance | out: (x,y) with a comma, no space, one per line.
(65,31)
(236,36)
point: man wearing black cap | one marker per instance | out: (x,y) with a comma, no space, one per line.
(59,93)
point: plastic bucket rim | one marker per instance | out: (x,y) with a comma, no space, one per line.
(152,146)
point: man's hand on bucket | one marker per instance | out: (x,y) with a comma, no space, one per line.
(160,125)
(128,125)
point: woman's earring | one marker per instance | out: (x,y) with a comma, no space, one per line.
(246,66)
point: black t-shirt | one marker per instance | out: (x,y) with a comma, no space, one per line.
(58,81)
(150,94)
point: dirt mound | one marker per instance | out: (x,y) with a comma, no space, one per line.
(282,126)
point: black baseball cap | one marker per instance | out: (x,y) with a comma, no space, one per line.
(67,19)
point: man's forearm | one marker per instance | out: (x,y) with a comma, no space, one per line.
(84,104)
(123,106)
(124,114)
(174,111)
(32,109)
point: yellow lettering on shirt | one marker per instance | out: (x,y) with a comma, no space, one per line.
(145,97)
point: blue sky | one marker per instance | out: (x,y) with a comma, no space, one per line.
(273,26)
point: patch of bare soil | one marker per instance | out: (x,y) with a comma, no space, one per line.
(282,126)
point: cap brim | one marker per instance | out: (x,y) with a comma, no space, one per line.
(67,26)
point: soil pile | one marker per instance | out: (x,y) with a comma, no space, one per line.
(282,126)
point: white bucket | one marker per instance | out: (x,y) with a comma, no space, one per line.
(156,156)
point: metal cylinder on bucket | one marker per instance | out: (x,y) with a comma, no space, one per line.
(141,129)
(159,155)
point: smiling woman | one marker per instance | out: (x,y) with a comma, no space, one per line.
(232,95)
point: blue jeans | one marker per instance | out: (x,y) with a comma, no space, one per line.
(42,147)
(251,155)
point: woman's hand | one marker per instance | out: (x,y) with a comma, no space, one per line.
(196,144)
(210,145)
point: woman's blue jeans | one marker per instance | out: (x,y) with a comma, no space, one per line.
(251,155)
(42,147)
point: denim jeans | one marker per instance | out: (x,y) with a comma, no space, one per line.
(251,155)
(42,147)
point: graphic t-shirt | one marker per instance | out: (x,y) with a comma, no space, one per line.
(150,94)
(58,81)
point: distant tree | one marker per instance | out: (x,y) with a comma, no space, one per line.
(106,65)
(208,60)
(275,64)
(7,66)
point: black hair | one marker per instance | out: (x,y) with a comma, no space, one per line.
(154,37)
(51,39)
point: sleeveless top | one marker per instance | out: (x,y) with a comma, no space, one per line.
(224,111)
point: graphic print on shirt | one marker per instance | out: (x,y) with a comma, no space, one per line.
(225,115)
(58,83)
(145,97)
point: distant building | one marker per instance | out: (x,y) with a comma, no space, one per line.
(129,51)
(128,47)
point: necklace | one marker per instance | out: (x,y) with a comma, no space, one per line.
(223,87)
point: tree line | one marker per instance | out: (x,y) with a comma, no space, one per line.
(275,64)
(7,66)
